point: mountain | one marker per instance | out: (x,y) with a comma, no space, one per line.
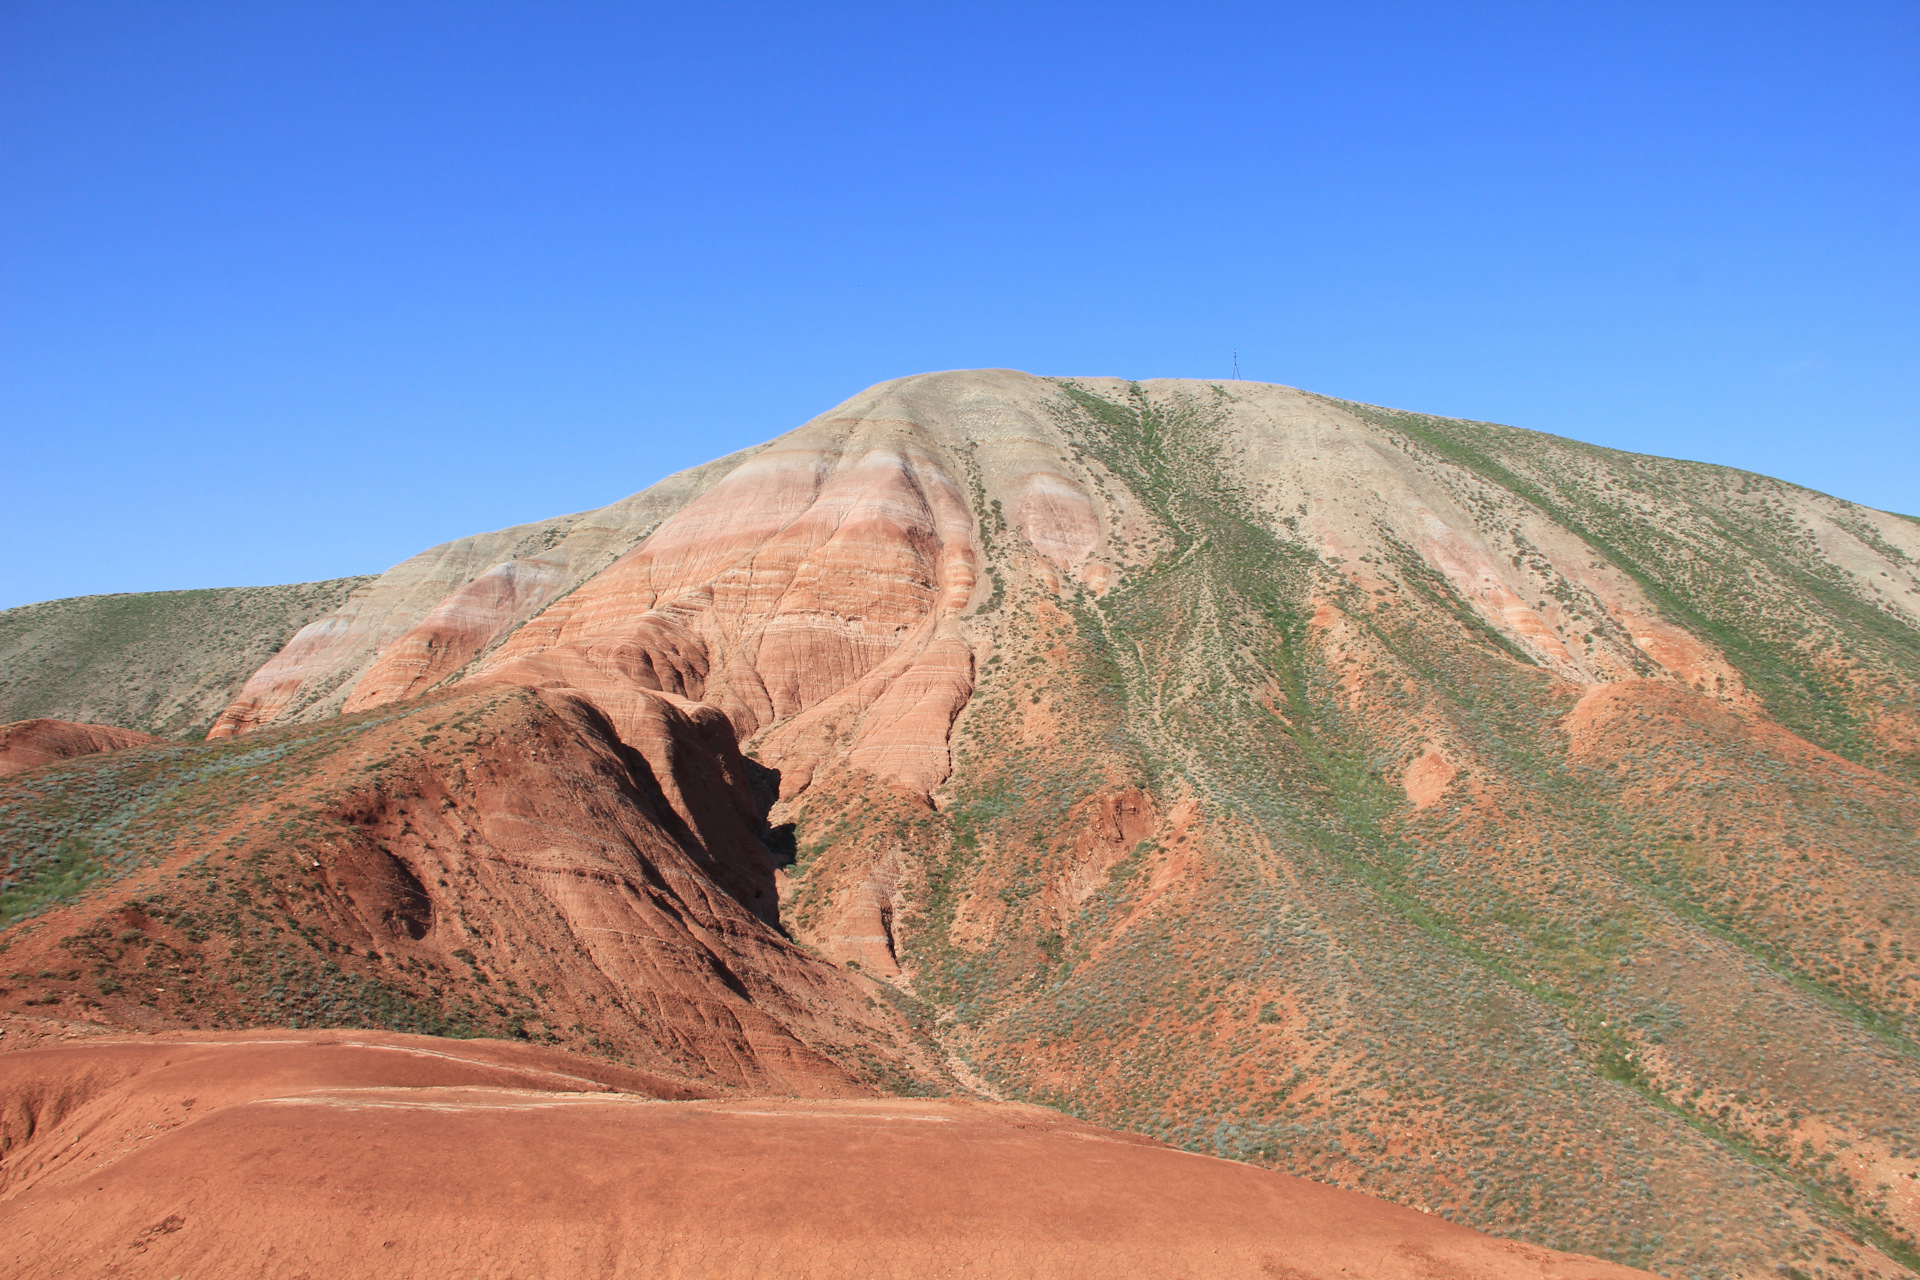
(1519,830)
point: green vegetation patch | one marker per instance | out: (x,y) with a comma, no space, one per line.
(163,662)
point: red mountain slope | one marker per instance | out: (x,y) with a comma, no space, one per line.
(491,860)
(362,1154)
(1511,828)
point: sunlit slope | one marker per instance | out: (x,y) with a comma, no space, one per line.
(1384,821)
(163,662)
(1510,827)
(240,1155)
(489,862)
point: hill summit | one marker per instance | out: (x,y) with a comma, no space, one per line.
(1523,831)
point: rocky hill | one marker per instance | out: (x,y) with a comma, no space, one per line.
(1520,830)
(28,744)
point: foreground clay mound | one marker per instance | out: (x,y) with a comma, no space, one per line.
(360,1154)
(26,744)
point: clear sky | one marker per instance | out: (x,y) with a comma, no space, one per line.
(291,291)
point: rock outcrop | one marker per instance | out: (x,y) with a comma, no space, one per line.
(430,614)
(493,859)
(26,744)
(815,589)
(809,589)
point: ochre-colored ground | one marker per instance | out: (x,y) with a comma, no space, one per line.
(341,1154)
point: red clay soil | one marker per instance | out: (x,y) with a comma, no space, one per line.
(27,744)
(497,860)
(340,1154)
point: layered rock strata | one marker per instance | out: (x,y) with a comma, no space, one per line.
(425,618)
(26,744)
(1515,828)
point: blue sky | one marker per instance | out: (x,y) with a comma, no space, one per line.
(293,291)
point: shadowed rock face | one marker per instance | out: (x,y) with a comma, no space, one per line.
(1519,830)
(353,1154)
(492,860)
(25,744)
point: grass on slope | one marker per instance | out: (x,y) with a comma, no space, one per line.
(223,941)
(164,662)
(1344,995)
(1719,551)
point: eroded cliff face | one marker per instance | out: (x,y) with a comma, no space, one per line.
(814,591)
(457,630)
(495,860)
(812,596)
(405,631)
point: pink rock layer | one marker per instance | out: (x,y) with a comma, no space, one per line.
(812,592)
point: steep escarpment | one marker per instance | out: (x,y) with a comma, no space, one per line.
(495,861)
(1522,831)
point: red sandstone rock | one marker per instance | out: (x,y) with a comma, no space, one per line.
(455,630)
(1111,825)
(422,619)
(812,593)
(509,844)
(27,743)
(357,1154)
